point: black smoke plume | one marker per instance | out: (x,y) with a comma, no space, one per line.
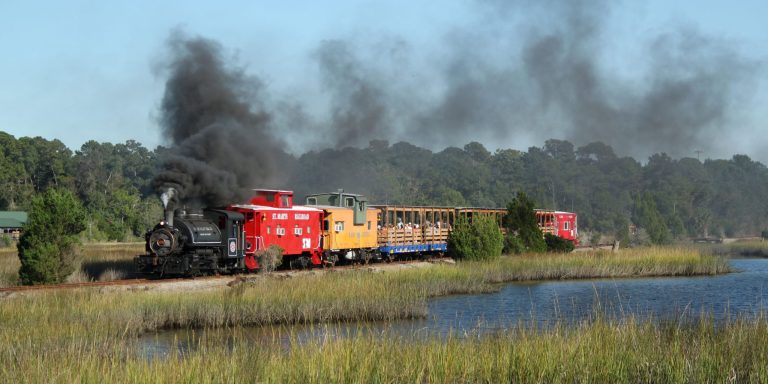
(215,117)
(525,71)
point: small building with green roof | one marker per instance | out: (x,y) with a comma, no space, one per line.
(11,223)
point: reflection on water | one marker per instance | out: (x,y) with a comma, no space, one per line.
(522,304)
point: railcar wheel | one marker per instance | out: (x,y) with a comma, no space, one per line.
(330,260)
(365,257)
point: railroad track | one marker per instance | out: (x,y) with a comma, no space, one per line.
(44,287)
(142,281)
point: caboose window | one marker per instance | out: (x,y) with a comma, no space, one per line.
(297,231)
(308,230)
(269,229)
(566,225)
(311,201)
(284,201)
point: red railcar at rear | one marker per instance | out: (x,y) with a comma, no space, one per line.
(559,223)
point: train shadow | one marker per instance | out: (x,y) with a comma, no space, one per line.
(110,269)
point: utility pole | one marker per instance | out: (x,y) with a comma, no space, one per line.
(698,153)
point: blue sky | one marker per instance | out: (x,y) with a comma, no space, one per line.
(81,70)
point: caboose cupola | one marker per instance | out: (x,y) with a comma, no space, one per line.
(272,198)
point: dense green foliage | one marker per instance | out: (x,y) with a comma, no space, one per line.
(113,182)
(523,233)
(647,216)
(47,248)
(478,239)
(558,244)
(691,198)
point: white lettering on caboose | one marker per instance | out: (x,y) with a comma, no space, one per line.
(301,216)
(279,216)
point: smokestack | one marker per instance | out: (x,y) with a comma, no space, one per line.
(167,197)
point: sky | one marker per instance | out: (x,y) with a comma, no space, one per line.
(509,74)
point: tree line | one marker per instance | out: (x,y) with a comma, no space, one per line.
(658,200)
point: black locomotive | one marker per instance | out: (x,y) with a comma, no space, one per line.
(187,244)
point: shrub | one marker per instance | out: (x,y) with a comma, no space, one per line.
(476,240)
(557,244)
(48,247)
(271,258)
(764,234)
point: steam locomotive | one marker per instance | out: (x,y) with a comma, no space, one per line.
(194,243)
(331,227)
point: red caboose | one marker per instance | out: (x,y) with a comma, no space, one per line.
(272,219)
(563,224)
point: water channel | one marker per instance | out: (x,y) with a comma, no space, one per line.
(739,294)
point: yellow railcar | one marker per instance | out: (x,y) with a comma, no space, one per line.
(349,227)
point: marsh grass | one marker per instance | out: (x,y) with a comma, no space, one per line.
(91,336)
(600,351)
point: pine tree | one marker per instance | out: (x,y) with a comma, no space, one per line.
(48,246)
(523,233)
